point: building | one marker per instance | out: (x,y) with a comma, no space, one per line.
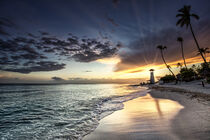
(152,78)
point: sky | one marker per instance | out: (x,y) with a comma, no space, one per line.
(92,41)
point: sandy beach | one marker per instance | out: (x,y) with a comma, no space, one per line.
(158,115)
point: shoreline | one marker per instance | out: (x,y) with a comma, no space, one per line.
(192,122)
(194,116)
(193,91)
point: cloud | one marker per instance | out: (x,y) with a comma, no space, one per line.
(112,21)
(4,22)
(44,33)
(57,78)
(4,79)
(103,80)
(143,51)
(36,67)
(27,53)
(81,50)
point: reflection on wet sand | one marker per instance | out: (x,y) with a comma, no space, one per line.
(158,107)
(145,117)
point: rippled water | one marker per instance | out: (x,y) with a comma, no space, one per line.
(58,111)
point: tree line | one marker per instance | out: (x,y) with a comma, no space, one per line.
(184,20)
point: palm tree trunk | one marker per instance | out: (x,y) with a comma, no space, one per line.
(166,63)
(183,54)
(197,43)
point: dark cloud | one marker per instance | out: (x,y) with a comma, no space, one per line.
(31,52)
(37,67)
(112,21)
(32,35)
(97,51)
(28,63)
(4,22)
(143,51)
(102,80)
(44,33)
(57,78)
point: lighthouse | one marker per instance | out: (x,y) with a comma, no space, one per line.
(152,79)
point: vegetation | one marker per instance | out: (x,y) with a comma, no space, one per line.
(185,19)
(168,78)
(161,48)
(186,74)
(180,39)
(179,65)
(203,70)
(204,51)
(189,74)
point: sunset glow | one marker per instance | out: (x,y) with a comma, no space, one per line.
(99,45)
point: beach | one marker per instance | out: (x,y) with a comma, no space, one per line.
(161,114)
(103,112)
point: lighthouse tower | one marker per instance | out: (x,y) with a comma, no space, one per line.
(152,79)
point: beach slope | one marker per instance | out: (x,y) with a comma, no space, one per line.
(158,115)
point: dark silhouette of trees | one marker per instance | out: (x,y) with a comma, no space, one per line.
(204,51)
(179,65)
(185,19)
(161,48)
(180,39)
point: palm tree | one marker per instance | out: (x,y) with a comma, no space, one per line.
(185,19)
(180,39)
(179,65)
(161,48)
(204,51)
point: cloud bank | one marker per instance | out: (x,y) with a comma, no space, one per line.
(143,51)
(44,52)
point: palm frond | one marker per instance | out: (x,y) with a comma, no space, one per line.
(181,10)
(206,49)
(160,47)
(195,16)
(179,21)
(179,15)
(198,54)
(179,65)
(180,39)
(164,47)
(182,24)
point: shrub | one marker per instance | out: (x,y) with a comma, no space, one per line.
(187,74)
(168,78)
(204,71)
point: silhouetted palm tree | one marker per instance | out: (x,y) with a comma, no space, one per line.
(204,51)
(180,39)
(179,65)
(161,48)
(185,19)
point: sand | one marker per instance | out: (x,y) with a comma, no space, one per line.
(189,87)
(158,115)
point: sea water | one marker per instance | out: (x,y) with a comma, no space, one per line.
(68,111)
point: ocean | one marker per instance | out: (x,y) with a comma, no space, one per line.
(68,111)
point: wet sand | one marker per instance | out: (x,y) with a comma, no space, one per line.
(193,121)
(158,115)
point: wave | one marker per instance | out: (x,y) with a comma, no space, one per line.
(107,106)
(57,114)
